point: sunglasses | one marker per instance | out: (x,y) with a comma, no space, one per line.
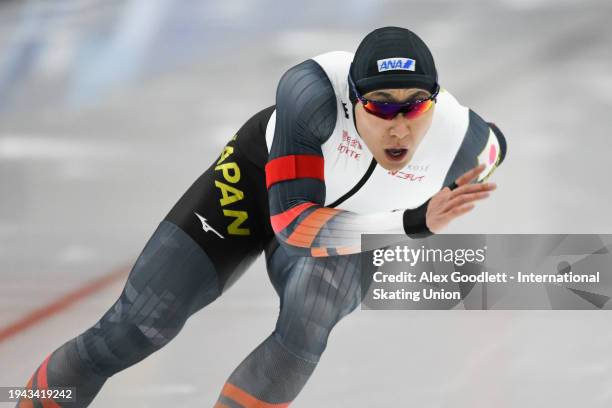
(388,110)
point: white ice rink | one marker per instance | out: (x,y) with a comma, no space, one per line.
(106,119)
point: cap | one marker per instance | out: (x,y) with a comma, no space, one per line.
(393,57)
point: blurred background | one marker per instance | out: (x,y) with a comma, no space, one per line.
(109,110)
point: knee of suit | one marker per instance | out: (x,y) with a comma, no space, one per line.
(117,341)
(316,296)
(143,320)
(171,279)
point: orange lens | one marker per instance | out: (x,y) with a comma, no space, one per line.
(419,109)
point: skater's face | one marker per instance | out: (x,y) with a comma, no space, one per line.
(393,142)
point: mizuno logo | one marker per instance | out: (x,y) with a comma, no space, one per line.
(397,63)
(207,227)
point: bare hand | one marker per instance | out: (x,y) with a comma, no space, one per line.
(447,205)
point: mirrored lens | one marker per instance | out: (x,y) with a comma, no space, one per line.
(390,110)
(382,110)
(418,109)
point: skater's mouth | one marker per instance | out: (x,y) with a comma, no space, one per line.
(396,154)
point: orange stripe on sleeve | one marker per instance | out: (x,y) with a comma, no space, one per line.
(318,252)
(348,250)
(306,231)
(280,221)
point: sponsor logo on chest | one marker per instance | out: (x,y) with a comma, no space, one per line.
(412,172)
(350,146)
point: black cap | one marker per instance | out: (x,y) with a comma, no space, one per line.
(393,57)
